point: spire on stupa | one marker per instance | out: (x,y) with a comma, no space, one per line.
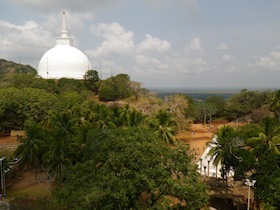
(64,32)
(64,39)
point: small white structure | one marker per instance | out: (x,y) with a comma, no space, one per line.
(64,60)
(206,165)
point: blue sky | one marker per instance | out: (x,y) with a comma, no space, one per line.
(160,43)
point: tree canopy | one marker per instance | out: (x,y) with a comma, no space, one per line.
(130,169)
(17,106)
(117,87)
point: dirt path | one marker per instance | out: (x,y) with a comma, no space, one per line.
(27,183)
(199,135)
(8,145)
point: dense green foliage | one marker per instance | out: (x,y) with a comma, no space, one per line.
(247,106)
(92,80)
(111,167)
(219,105)
(248,103)
(130,169)
(267,177)
(117,87)
(19,105)
(118,156)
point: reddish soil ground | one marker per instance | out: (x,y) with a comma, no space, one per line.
(199,135)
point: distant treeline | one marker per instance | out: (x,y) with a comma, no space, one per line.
(195,95)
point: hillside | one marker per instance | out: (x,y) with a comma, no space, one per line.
(8,68)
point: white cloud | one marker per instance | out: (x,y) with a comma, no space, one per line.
(151,64)
(269,62)
(4,42)
(117,39)
(222,46)
(275,55)
(227,57)
(190,60)
(154,44)
(27,40)
(194,48)
(266,62)
(27,25)
(151,55)
(194,45)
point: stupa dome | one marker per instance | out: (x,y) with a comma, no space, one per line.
(63,60)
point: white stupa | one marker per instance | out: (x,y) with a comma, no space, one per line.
(64,60)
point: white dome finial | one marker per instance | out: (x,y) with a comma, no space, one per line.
(64,32)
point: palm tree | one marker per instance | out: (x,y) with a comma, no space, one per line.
(130,117)
(164,118)
(165,126)
(87,110)
(222,148)
(107,121)
(135,118)
(57,153)
(65,121)
(269,137)
(57,149)
(166,133)
(223,144)
(79,140)
(29,150)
